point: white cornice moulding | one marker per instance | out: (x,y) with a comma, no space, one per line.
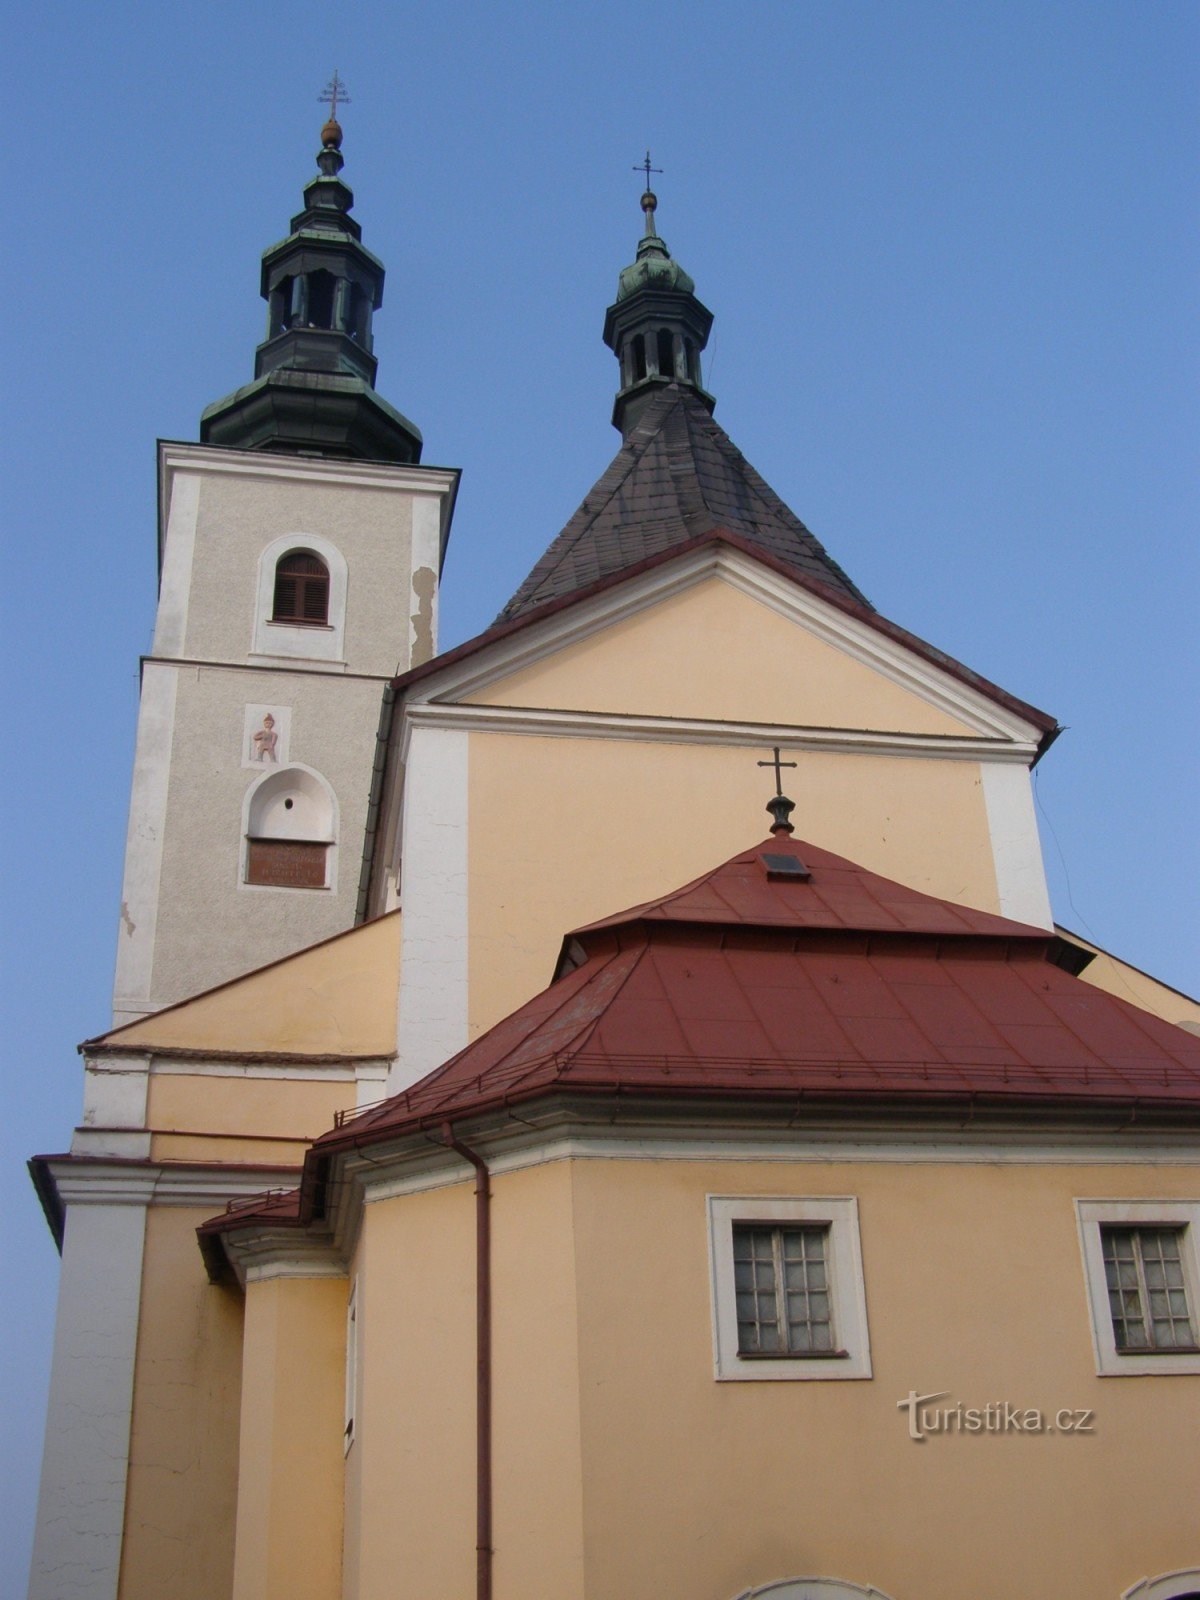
(267,1253)
(863,643)
(181,457)
(689,730)
(99,1182)
(415,1164)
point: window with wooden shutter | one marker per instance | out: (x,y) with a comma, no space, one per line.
(301,590)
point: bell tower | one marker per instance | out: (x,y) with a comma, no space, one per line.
(656,327)
(300,550)
(314,372)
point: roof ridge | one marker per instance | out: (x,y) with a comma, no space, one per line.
(678,476)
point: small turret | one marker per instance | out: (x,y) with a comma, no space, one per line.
(656,327)
(313,373)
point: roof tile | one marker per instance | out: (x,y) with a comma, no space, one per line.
(678,477)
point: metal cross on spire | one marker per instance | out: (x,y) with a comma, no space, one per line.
(779,805)
(333,95)
(644,166)
(778,765)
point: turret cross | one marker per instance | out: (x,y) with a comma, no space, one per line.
(334,94)
(778,765)
(644,166)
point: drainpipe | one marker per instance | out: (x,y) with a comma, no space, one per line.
(483,1366)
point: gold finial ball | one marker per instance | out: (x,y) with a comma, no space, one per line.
(331,134)
(649,201)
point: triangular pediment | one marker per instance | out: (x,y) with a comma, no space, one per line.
(717,635)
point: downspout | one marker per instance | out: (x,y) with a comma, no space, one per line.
(483,1365)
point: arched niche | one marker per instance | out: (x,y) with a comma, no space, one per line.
(813,1589)
(289,831)
(300,640)
(1181,1585)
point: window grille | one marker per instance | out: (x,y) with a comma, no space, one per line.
(1147,1290)
(781,1279)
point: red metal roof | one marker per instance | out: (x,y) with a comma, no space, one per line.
(747,987)
(743,985)
(837,894)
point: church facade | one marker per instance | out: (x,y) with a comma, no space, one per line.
(511,1174)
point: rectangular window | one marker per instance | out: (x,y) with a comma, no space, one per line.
(1141,1267)
(781,1278)
(787,1283)
(1147,1291)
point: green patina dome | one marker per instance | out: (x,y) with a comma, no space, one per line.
(653,269)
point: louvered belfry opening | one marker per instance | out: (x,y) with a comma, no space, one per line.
(301,590)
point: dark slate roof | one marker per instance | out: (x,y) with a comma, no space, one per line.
(677,477)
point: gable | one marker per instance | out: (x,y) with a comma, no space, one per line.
(716,652)
(335,998)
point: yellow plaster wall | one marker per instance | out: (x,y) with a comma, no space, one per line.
(415,1434)
(417,1424)
(591,826)
(1115,976)
(289,1510)
(335,998)
(974,1285)
(183,1470)
(240,1119)
(714,652)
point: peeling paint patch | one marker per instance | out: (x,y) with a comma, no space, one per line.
(130,925)
(424,585)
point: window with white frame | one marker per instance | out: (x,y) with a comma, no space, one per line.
(787,1284)
(1142,1270)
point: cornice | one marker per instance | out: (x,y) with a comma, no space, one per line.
(84,1180)
(176,455)
(892,658)
(268,1253)
(692,730)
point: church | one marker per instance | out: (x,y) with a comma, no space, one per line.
(604,1110)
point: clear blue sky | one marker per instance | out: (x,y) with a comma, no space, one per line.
(951,251)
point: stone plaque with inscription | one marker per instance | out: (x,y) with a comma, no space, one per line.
(287,863)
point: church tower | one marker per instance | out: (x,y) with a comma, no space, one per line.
(300,551)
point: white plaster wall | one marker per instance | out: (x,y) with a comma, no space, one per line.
(178,551)
(188,922)
(432,1022)
(81,1506)
(144,843)
(210,926)
(239,517)
(1016,847)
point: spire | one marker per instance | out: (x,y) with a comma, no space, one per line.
(656,327)
(312,392)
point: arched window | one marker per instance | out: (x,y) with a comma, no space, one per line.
(666,353)
(639,358)
(301,590)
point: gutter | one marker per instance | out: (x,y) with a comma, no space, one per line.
(483,1364)
(374,802)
